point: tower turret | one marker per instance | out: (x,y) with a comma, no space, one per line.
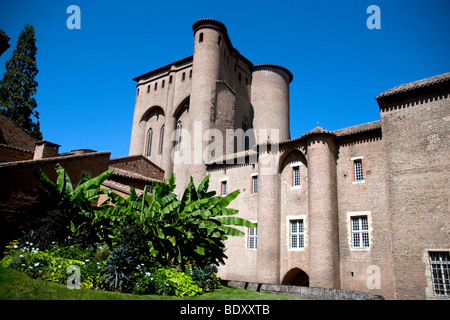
(270,100)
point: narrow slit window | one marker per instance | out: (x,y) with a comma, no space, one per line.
(223,188)
(296,176)
(254,184)
(358,170)
(253,238)
(161,140)
(200,38)
(148,150)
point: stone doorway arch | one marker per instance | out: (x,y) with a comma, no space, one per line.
(296,277)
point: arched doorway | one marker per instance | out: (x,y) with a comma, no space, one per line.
(296,277)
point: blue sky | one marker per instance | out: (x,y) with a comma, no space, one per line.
(86,93)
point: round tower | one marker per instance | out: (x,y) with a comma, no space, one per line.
(323,209)
(270,100)
(208,35)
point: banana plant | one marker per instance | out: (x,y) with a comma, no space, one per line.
(75,203)
(177,231)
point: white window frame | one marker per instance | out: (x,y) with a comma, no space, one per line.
(288,232)
(254,178)
(353,160)
(369,231)
(252,235)
(293,165)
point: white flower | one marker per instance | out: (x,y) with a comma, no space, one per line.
(23,265)
(36,264)
(21,256)
(15,246)
(148,274)
(87,260)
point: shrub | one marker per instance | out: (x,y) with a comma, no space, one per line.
(119,267)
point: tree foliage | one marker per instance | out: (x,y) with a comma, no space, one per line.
(18,86)
(175,231)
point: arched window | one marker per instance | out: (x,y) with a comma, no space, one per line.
(156,86)
(200,39)
(161,140)
(170,79)
(148,149)
(178,136)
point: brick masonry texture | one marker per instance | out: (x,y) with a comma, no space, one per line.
(404,156)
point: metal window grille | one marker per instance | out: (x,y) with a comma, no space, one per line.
(224,187)
(295,176)
(357,164)
(440,271)
(360,232)
(148,150)
(297,234)
(253,238)
(255,184)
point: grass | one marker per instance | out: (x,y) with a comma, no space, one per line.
(15,285)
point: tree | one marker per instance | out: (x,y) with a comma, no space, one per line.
(173,231)
(18,85)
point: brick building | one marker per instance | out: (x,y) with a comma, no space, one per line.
(362,208)
(21,155)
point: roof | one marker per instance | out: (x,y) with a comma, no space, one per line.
(59,158)
(420,84)
(369,126)
(120,187)
(132,175)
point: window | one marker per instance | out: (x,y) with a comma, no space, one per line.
(183,76)
(440,272)
(255,184)
(148,150)
(190,74)
(360,232)
(253,238)
(163,83)
(161,140)
(200,38)
(170,79)
(296,176)
(219,40)
(178,136)
(358,170)
(137,92)
(246,137)
(148,88)
(223,189)
(297,238)
(156,86)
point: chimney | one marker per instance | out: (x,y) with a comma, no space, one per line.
(45,149)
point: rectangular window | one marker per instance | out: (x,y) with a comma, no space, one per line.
(296,176)
(358,170)
(297,236)
(223,188)
(360,232)
(440,272)
(254,184)
(253,238)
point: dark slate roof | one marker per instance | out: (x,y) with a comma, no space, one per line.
(405,88)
